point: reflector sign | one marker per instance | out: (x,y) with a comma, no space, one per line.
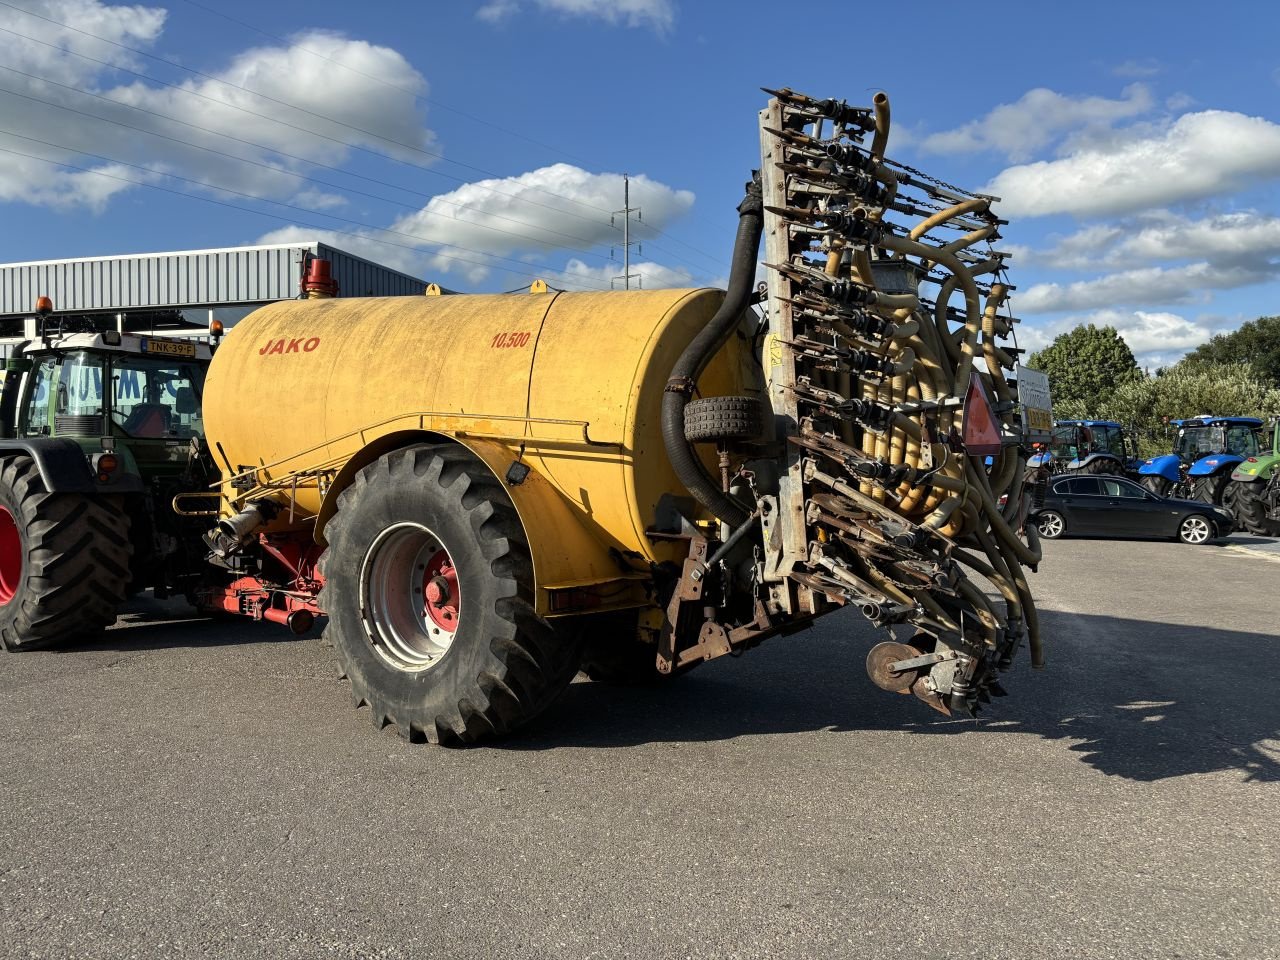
(981,431)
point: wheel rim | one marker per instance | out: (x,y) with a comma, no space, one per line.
(1194,530)
(10,556)
(1051,526)
(410,597)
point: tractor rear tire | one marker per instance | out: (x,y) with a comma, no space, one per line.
(64,560)
(1210,489)
(1156,484)
(1244,499)
(430,595)
(717,419)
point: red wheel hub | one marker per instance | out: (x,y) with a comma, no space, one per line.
(10,556)
(440,586)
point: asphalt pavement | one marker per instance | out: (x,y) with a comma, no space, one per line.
(198,789)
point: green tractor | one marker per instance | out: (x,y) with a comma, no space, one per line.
(1253,494)
(99,431)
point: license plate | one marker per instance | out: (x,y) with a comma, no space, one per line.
(169,348)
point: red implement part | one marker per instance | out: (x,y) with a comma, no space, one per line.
(10,556)
(319,281)
(440,585)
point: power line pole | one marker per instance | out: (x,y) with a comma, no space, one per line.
(626,211)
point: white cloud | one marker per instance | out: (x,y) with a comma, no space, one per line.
(1199,155)
(395,257)
(1239,239)
(560,207)
(1149,285)
(646,275)
(134,26)
(1018,130)
(1156,338)
(1147,67)
(658,14)
(292,73)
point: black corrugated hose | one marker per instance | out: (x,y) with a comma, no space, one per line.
(696,356)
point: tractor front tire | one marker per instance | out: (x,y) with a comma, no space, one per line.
(430,595)
(1156,484)
(64,560)
(1210,489)
(1244,499)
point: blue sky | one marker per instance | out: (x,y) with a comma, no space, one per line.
(482,144)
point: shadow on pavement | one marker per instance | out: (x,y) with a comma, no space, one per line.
(1133,699)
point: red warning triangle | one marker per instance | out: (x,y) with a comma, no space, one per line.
(981,431)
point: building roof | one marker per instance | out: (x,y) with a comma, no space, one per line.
(186,279)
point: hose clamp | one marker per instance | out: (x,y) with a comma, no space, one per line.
(682,385)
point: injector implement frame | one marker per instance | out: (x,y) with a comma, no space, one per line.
(487,493)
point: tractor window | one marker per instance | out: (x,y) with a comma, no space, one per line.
(154,398)
(80,386)
(1242,441)
(35,418)
(1195,442)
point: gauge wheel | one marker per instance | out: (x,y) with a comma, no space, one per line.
(1050,524)
(1195,529)
(430,595)
(716,419)
(1156,484)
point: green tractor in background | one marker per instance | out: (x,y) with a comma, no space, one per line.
(1253,494)
(99,431)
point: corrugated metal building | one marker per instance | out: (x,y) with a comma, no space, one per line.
(176,289)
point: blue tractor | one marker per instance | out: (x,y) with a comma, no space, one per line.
(1204,455)
(1086,446)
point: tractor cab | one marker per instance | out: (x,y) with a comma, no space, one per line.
(1086,446)
(139,397)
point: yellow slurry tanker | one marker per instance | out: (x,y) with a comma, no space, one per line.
(484,494)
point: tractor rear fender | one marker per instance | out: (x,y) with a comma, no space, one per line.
(1214,464)
(1165,466)
(566,557)
(64,468)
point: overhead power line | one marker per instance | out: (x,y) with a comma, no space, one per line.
(292,106)
(285,171)
(386,83)
(443,106)
(442,248)
(305,130)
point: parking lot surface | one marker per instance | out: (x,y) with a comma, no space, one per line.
(198,789)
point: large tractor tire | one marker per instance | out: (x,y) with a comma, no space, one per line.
(1210,489)
(1156,484)
(1244,499)
(64,560)
(1100,466)
(429,592)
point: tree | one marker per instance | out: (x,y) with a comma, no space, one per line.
(1189,389)
(1256,343)
(1085,366)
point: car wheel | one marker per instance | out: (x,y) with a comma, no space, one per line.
(1195,529)
(1050,524)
